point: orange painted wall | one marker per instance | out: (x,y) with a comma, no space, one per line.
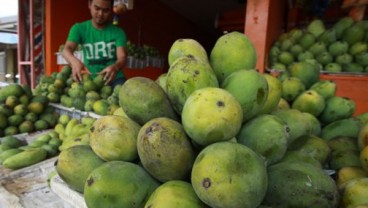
(264,22)
(150,22)
(59,16)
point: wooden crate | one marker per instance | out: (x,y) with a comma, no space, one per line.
(354,87)
(266,19)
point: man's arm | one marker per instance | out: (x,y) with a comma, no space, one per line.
(110,71)
(75,63)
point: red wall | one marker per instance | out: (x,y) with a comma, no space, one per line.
(150,22)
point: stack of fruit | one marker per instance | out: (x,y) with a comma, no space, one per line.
(215,132)
(72,131)
(341,47)
(91,94)
(16,154)
(23,112)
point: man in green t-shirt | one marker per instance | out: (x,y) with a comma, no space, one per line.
(103,45)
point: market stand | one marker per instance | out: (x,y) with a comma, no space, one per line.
(255,29)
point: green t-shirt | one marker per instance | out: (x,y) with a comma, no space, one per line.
(99,45)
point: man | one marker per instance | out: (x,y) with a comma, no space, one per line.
(103,45)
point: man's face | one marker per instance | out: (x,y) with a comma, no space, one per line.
(100,11)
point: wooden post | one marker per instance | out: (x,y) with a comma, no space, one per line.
(264,22)
(356,8)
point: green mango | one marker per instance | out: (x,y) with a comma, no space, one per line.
(344,127)
(25,158)
(337,107)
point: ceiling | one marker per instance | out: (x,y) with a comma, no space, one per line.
(203,12)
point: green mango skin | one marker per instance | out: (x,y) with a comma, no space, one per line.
(341,25)
(355,193)
(348,158)
(25,158)
(316,27)
(142,99)
(8,153)
(338,48)
(342,143)
(220,179)
(306,72)
(297,122)
(211,115)
(300,185)
(186,46)
(336,108)
(312,146)
(175,193)
(353,34)
(293,156)
(267,135)
(326,88)
(349,127)
(291,88)
(186,75)
(117,184)
(164,149)
(250,88)
(309,101)
(231,52)
(328,36)
(75,164)
(162,81)
(317,48)
(363,137)
(307,40)
(274,94)
(115,138)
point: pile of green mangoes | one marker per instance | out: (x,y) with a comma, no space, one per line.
(16,154)
(91,94)
(72,131)
(214,132)
(23,112)
(340,47)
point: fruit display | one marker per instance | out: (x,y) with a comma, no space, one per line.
(211,132)
(337,48)
(90,95)
(16,154)
(196,137)
(21,111)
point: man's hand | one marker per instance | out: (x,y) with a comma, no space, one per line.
(77,68)
(109,73)
(74,62)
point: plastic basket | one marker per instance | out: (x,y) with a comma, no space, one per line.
(61,61)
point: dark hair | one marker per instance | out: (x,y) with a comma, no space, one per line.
(111,1)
